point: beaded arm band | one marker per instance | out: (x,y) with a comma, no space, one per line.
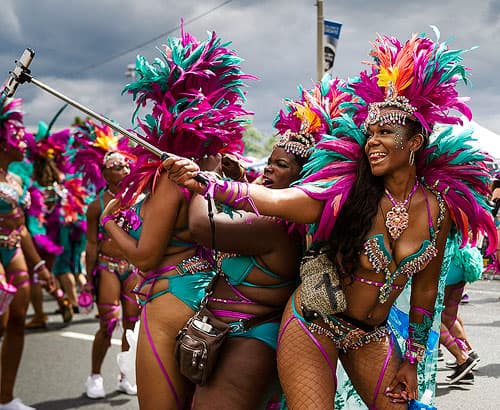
(418,333)
(107,219)
(235,194)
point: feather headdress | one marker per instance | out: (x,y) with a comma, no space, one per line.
(50,145)
(195,90)
(302,123)
(415,80)
(97,147)
(11,122)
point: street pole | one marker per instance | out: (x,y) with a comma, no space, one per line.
(319,40)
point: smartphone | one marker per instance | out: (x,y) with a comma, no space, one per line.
(15,76)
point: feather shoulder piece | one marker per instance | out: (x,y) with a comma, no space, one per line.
(330,171)
(452,166)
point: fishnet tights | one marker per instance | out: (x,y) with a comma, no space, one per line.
(364,367)
(306,378)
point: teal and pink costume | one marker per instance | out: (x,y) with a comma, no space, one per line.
(416,80)
(196,91)
(15,199)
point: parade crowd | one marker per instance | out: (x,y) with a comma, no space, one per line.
(332,279)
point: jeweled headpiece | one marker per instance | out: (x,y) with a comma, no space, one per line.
(98,146)
(11,121)
(415,80)
(303,122)
(296,144)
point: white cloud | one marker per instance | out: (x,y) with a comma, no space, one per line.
(276,38)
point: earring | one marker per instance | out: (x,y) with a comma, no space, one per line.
(411,159)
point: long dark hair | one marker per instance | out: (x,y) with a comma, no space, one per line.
(356,218)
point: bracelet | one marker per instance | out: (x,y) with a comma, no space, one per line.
(415,352)
(37,266)
(106,219)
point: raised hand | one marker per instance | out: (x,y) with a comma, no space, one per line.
(182,171)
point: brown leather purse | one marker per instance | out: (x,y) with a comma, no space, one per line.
(198,345)
(199,342)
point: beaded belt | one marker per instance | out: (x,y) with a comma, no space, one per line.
(11,240)
(347,336)
(117,265)
(193,265)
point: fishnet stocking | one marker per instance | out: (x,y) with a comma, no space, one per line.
(364,367)
(306,378)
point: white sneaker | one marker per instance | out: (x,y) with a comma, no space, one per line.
(95,387)
(126,387)
(15,404)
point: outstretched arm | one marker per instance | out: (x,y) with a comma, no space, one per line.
(243,233)
(291,203)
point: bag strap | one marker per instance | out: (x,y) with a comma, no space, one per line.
(211,285)
(246,323)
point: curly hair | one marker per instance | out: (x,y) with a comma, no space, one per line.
(45,171)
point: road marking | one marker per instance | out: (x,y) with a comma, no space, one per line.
(83,336)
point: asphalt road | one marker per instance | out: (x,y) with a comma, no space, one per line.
(56,363)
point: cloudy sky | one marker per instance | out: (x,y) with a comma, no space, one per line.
(84,46)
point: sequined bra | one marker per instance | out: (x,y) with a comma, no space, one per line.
(10,198)
(380,258)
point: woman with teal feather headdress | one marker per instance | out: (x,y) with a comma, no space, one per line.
(384,199)
(58,220)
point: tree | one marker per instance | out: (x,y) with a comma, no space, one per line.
(257,144)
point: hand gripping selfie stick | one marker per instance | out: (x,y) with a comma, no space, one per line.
(22,74)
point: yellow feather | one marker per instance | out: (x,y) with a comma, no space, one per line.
(105,141)
(387,75)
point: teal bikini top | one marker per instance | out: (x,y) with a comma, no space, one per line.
(132,224)
(380,258)
(10,198)
(236,268)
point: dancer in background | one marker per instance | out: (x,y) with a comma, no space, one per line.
(46,168)
(465,266)
(17,251)
(103,159)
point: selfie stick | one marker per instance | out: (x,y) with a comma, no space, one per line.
(22,74)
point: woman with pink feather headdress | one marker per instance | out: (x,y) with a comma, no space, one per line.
(195,91)
(384,199)
(17,251)
(102,159)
